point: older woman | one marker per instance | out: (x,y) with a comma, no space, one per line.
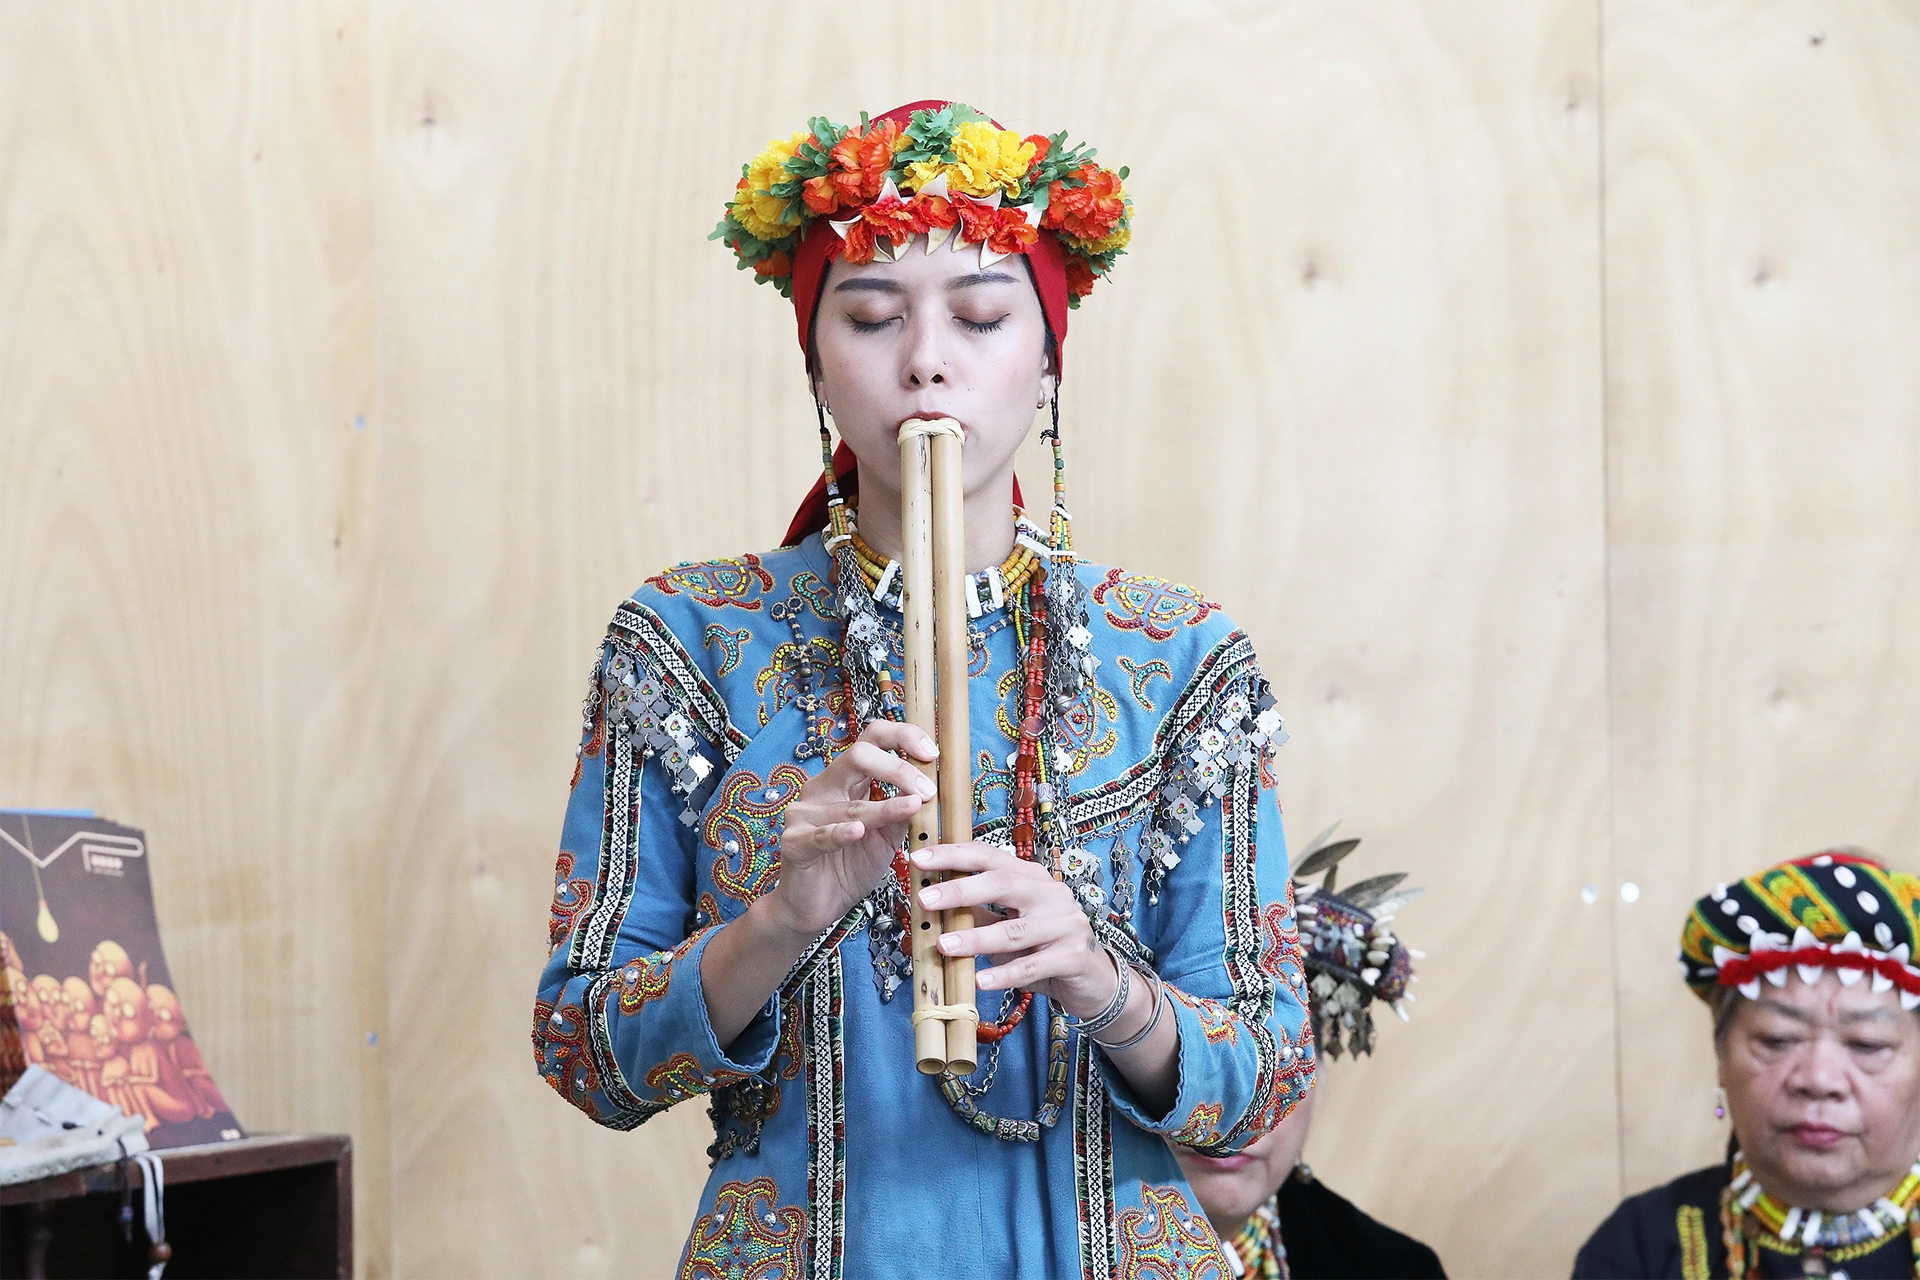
(1808,967)
(745,783)
(1278,1219)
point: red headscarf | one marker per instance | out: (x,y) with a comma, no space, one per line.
(1047,259)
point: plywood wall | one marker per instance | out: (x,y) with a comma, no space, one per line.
(1763,311)
(1529,378)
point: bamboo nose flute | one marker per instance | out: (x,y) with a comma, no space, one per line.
(934,618)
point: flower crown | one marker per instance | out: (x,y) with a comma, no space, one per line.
(950,173)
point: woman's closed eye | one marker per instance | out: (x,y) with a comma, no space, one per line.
(871,326)
(981,326)
(1870,1048)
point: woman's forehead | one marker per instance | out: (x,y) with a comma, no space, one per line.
(1828,1001)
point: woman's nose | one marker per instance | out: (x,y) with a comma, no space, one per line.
(926,358)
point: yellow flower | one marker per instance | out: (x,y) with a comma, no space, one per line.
(985,159)
(755,207)
(1118,238)
(921,172)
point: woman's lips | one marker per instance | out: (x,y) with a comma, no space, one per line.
(930,415)
(1817,1136)
(1221,1164)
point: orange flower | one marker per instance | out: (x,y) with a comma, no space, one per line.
(856,169)
(1040,148)
(1080,276)
(1090,211)
(933,213)
(976,220)
(774,265)
(857,248)
(820,195)
(1010,232)
(893,218)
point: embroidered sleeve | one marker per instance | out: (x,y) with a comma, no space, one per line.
(620,1022)
(1219,915)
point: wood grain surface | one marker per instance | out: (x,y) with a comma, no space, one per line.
(1530,378)
(1763,304)
(186,539)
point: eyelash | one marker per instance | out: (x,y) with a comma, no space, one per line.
(974,326)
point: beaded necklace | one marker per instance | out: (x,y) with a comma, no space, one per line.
(1256,1252)
(1752,1219)
(985,591)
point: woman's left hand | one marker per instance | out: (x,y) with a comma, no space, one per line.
(1041,940)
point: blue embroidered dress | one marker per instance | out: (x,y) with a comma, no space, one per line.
(717,693)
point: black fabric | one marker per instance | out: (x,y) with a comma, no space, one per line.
(1327,1238)
(1641,1240)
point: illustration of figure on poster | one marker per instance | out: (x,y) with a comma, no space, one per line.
(100,1011)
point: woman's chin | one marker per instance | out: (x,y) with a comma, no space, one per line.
(1227,1188)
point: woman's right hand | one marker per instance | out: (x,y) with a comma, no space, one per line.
(838,842)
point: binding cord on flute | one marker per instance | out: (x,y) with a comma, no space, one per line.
(946,1018)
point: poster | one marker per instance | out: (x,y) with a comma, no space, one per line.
(87,994)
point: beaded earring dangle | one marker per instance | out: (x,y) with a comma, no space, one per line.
(1719,1103)
(839,531)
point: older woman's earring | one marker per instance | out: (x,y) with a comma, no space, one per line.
(1719,1102)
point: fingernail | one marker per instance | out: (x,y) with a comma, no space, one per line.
(924,785)
(923,856)
(930,898)
(929,746)
(948,941)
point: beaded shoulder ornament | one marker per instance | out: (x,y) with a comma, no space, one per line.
(950,173)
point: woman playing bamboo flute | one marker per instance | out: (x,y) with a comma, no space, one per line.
(731,915)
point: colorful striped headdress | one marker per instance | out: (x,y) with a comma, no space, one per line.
(1835,910)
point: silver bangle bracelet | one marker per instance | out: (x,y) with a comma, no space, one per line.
(1123,987)
(1159,1005)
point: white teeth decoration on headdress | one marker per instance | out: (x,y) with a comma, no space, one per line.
(1722,957)
(1803,937)
(1778,977)
(1909,1001)
(1881,982)
(1751,990)
(1850,977)
(1811,974)
(883,248)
